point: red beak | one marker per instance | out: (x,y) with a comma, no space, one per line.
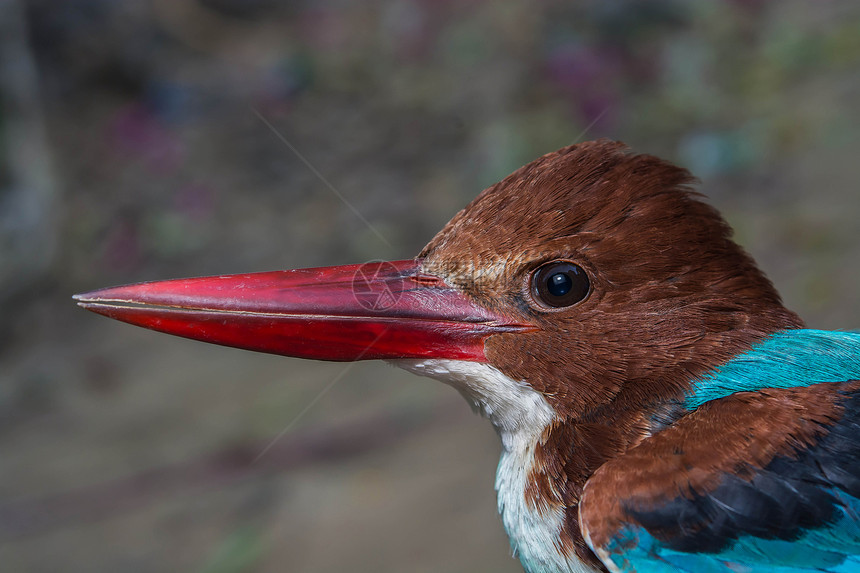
(386,310)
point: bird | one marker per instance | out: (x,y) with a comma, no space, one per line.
(659,408)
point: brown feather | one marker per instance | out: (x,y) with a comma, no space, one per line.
(690,458)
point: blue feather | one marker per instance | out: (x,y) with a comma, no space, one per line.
(831,549)
(787,359)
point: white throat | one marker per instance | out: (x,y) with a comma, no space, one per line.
(520,415)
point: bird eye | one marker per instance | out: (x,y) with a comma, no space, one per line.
(559,284)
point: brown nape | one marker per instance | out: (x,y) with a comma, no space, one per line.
(672,297)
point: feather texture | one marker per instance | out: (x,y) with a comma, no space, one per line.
(762,475)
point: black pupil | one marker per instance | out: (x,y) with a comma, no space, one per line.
(559,284)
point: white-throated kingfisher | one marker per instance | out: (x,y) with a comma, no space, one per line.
(659,408)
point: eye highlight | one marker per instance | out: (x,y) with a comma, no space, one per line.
(559,284)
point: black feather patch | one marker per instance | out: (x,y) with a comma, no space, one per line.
(783,500)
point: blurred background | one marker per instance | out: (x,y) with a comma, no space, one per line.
(150,139)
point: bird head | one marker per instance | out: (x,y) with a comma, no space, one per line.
(593,276)
(631,282)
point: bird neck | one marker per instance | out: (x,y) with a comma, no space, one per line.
(536,525)
(548,456)
(523,418)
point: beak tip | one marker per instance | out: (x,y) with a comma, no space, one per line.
(86,297)
(90,300)
(105,294)
(84,301)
